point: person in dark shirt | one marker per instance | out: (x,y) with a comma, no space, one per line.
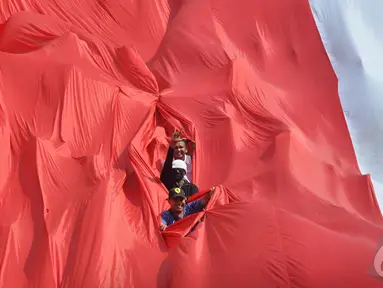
(179,209)
(179,169)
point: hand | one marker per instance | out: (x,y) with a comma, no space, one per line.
(207,196)
(176,134)
(176,137)
(212,190)
(163,227)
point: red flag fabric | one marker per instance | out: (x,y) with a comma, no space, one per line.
(91,91)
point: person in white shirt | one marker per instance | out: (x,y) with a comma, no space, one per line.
(179,153)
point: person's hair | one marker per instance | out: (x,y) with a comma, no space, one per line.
(185,142)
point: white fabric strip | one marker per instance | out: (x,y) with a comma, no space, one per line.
(352,33)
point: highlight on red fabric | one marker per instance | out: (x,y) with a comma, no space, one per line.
(91,92)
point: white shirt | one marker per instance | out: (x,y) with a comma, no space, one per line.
(189,165)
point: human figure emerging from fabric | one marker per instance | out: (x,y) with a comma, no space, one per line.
(176,171)
(179,209)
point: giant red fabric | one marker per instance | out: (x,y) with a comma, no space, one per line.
(90,94)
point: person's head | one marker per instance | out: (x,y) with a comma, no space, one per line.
(180,149)
(177,200)
(179,169)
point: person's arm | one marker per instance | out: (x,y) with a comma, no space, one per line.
(198,205)
(166,173)
(193,207)
(163,223)
(207,197)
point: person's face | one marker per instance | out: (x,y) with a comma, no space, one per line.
(178,174)
(180,150)
(177,204)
